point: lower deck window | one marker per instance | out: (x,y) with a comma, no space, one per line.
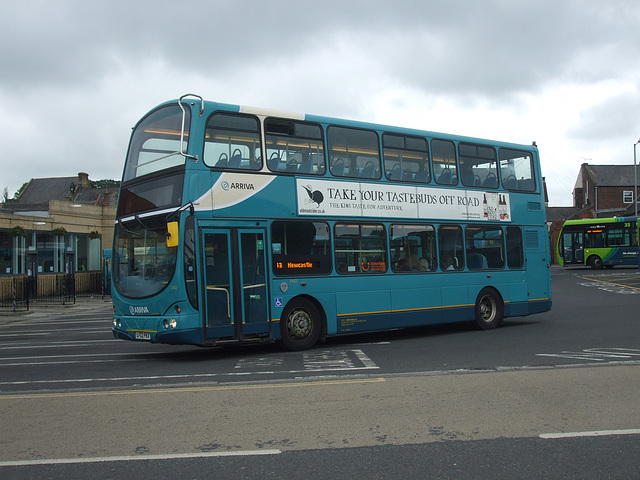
(360,248)
(485,247)
(413,248)
(451,247)
(300,248)
(515,253)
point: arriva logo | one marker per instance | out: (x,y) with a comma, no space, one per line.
(237,186)
(138,310)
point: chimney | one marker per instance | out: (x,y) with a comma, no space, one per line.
(83,181)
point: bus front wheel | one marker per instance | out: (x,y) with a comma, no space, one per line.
(595,262)
(489,309)
(300,325)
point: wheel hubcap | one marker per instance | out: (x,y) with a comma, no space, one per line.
(487,309)
(299,324)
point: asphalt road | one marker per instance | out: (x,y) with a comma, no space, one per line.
(549,396)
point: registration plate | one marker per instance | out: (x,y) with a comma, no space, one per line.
(143,336)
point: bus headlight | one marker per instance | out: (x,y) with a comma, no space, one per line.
(173,323)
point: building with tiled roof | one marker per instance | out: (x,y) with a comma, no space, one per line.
(56,224)
(606,190)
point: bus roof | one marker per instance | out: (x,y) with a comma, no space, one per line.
(587,221)
(212,106)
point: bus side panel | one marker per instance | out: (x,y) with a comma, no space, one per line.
(418,307)
(423,303)
(620,255)
(418,299)
(517,304)
(357,310)
(456,303)
(537,264)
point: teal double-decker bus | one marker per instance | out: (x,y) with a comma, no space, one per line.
(238,224)
(598,242)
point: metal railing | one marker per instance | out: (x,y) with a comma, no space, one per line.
(18,292)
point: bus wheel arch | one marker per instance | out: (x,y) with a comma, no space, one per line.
(595,262)
(302,323)
(489,309)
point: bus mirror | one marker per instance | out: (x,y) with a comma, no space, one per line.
(172,234)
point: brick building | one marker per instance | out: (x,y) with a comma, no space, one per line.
(600,191)
(605,190)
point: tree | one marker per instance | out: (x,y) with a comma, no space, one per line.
(106,183)
(5,195)
(21,189)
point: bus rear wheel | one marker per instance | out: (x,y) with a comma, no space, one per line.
(300,325)
(489,309)
(595,262)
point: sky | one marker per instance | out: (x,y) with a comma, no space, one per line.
(77,75)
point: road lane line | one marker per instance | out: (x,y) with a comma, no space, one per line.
(167,377)
(610,283)
(69,362)
(192,389)
(104,321)
(596,433)
(70,343)
(128,458)
(114,379)
(53,330)
(71,355)
(26,334)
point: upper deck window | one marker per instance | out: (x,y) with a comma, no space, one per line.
(516,170)
(232,141)
(353,152)
(406,158)
(294,147)
(154,193)
(478,165)
(155,143)
(444,162)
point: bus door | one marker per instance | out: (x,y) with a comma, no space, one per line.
(235,293)
(573,247)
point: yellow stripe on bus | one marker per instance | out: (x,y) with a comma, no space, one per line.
(404,310)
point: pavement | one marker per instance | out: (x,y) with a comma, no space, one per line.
(82,304)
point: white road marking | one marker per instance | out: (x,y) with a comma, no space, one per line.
(596,433)
(607,287)
(69,343)
(597,354)
(25,334)
(74,355)
(129,458)
(322,361)
(106,321)
(113,379)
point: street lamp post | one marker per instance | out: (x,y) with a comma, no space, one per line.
(635,190)
(635,178)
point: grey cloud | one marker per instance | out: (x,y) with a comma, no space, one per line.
(615,118)
(76,63)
